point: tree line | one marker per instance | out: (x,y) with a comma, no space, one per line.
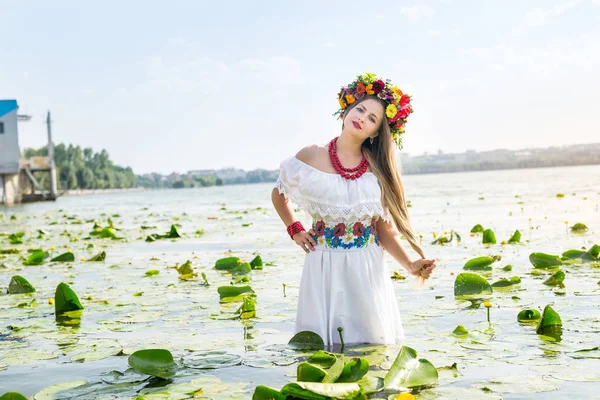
(78,168)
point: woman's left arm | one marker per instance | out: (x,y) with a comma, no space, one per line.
(389,238)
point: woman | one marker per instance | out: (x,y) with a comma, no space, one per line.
(352,189)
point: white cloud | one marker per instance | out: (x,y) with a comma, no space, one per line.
(434,33)
(538,17)
(417,12)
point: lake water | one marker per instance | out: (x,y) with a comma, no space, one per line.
(185,317)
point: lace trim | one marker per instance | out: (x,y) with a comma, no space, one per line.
(338,213)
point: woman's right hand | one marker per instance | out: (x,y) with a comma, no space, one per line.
(305,240)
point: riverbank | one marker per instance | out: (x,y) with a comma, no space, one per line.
(87,192)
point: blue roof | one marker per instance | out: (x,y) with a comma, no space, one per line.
(7,106)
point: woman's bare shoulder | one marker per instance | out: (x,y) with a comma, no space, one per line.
(311,153)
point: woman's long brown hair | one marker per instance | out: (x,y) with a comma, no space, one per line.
(383,163)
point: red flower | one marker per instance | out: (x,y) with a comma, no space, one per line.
(373,227)
(404,100)
(320,228)
(339,230)
(378,86)
(360,88)
(404,112)
(358,229)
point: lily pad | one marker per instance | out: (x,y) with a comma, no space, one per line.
(100,257)
(211,360)
(556,279)
(529,315)
(18,284)
(544,261)
(306,340)
(155,362)
(483,263)
(36,258)
(515,238)
(550,324)
(323,359)
(65,257)
(65,299)
(12,396)
(410,372)
(257,263)
(579,228)
(354,370)
(477,229)
(306,372)
(227,264)
(515,280)
(233,291)
(267,393)
(318,391)
(489,237)
(460,331)
(468,284)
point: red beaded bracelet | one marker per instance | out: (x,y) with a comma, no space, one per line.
(295,228)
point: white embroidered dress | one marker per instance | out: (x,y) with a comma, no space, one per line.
(345,282)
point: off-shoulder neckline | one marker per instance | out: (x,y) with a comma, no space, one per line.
(323,172)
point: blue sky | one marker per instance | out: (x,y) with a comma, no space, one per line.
(200,85)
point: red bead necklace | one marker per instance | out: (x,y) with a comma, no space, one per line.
(347,173)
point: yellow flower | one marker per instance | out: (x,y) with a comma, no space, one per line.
(369,77)
(401,129)
(397,91)
(391,111)
(487,304)
(395,137)
(50,300)
(342,103)
(404,396)
(350,99)
(369,89)
(51,247)
(82,258)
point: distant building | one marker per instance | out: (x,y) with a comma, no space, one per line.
(9,137)
(203,172)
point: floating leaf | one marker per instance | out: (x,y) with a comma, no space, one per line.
(410,372)
(12,396)
(155,362)
(267,393)
(248,308)
(227,263)
(323,359)
(65,299)
(36,258)
(544,261)
(467,284)
(477,229)
(185,268)
(489,237)
(18,284)
(460,331)
(579,228)
(104,233)
(556,279)
(515,238)
(152,272)
(65,257)
(481,263)
(306,372)
(306,340)
(321,391)
(211,360)
(506,282)
(354,370)
(233,291)
(100,257)
(529,315)
(256,263)
(550,323)
(335,371)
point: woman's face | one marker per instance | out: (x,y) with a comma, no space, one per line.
(364,119)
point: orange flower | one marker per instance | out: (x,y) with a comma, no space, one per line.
(350,99)
(369,89)
(360,88)
(397,90)
(342,103)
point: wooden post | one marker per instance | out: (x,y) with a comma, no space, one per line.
(53,188)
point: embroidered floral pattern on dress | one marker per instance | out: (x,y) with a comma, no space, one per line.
(345,235)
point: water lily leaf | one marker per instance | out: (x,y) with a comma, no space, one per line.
(18,284)
(506,282)
(257,263)
(460,331)
(306,340)
(129,376)
(233,291)
(227,263)
(104,233)
(481,263)
(507,268)
(12,396)
(515,238)
(152,272)
(489,237)
(550,324)
(467,284)
(36,258)
(65,257)
(173,233)
(556,279)
(354,370)
(579,228)
(544,261)
(306,372)
(370,384)
(587,353)
(155,362)
(49,393)
(477,229)
(335,371)
(185,268)
(211,360)
(321,391)
(65,299)
(267,393)
(323,359)
(410,372)
(248,308)
(100,257)
(529,315)
(243,269)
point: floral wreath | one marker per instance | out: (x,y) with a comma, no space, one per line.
(397,108)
